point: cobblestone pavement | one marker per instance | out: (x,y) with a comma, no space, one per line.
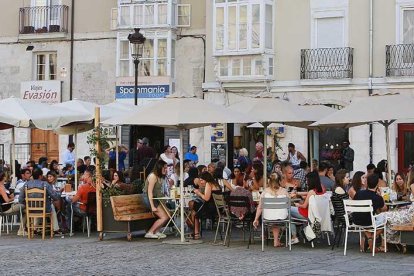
(80,255)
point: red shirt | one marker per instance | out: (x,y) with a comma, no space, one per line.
(82,193)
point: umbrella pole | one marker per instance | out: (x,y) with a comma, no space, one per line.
(387,142)
(182,184)
(13,157)
(98,173)
(76,156)
(265,155)
(116,149)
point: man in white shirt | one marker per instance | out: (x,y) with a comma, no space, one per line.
(68,156)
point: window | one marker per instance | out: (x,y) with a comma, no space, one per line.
(241,26)
(124,16)
(46,65)
(157,58)
(239,67)
(144,15)
(114,18)
(408,26)
(183,15)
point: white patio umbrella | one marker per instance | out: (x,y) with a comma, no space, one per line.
(269,110)
(88,109)
(34,114)
(181,113)
(312,113)
(382,109)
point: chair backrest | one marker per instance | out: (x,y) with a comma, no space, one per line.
(91,204)
(238,201)
(220,204)
(358,206)
(35,201)
(276,203)
(322,204)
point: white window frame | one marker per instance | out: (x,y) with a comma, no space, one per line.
(401,6)
(114,18)
(325,9)
(178,15)
(47,68)
(249,49)
(328,14)
(142,4)
(155,35)
(253,58)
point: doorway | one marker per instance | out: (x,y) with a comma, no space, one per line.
(154,134)
(405,146)
(46,137)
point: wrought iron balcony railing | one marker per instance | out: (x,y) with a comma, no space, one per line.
(326,63)
(399,60)
(43,19)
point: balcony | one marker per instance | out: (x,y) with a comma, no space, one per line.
(399,60)
(43,19)
(326,63)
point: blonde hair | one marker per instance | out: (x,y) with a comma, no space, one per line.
(243,152)
(275,180)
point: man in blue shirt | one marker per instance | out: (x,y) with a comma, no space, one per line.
(192,155)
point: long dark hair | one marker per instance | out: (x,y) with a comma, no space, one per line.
(120,176)
(314,182)
(356,181)
(159,165)
(258,167)
(339,178)
(207,177)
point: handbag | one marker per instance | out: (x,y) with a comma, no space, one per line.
(309,234)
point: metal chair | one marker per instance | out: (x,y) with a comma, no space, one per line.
(36,209)
(282,203)
(363,206)
(240,201)
(90,211)
(223,216)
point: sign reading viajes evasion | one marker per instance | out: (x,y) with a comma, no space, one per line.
(148,87)
(43,91)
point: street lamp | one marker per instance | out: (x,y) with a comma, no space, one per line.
(136,41)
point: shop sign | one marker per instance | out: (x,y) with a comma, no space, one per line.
(148,87)
(43,91)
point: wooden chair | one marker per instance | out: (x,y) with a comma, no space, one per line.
(36,209)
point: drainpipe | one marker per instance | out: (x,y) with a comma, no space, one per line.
(371,61)
(72,26)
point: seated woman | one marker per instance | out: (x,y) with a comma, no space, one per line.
(359,181)
(256,177)
(400,187)
(339,194)
(235,174)
(273,190)
(5,196)
(51,178)
(204,206)
(300,210)
(241,212)
(153,189)
(398,217)
(54,167)
(218,176)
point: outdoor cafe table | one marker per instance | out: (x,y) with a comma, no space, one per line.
(163,202)
(395,204)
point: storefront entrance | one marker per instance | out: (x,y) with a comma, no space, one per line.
(405,146)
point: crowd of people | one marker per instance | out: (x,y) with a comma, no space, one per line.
(292,178)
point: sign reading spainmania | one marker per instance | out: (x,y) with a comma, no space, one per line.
(43,91)
(148,87)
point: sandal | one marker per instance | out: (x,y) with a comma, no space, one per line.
(196,236)
(364,245)
(280,245)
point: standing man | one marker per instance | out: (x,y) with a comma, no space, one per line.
(294,156)
(192,155)
(68,156)
(347,159)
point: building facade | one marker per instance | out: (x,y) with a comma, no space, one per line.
(79,50)
(314,52)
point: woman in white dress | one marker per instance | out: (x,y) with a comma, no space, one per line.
(273,190)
